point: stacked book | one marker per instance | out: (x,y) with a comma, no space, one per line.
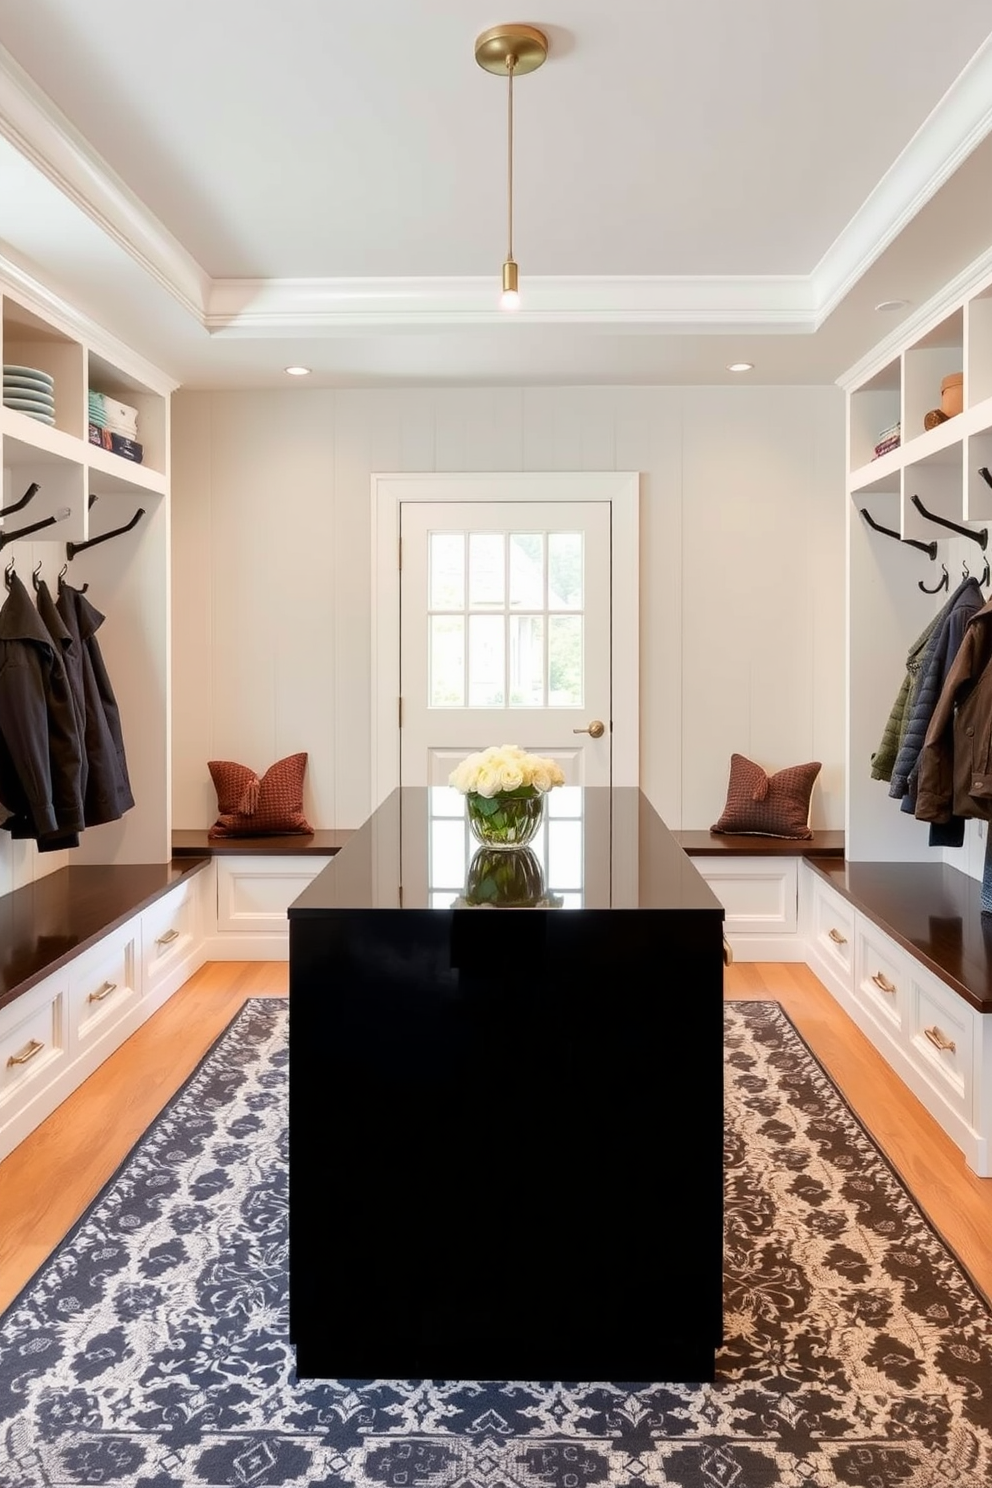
(888,439)
(114,425)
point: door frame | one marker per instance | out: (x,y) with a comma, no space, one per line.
(621,488)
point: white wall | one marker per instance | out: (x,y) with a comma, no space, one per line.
(742,572)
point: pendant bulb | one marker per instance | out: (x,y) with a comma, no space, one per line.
(510,298)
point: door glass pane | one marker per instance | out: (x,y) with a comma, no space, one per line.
(485,569)
(527,661)
(447,661)
(447,563)
(565,661)
(527,570)
(565,571)
(486,664)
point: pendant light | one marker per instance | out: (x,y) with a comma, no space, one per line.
(508,51)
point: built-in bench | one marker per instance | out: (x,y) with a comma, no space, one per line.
(87,953)
(47,923)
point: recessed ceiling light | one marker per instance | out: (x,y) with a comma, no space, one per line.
(297,371)
(740,366)
(891,304)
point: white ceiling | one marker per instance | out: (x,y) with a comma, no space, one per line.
(232,186)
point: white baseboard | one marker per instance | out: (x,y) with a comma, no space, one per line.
(247,947)
(766,947)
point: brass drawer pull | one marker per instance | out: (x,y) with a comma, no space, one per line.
(28,1052)
(837,938)
(168,937)
(939,1040)
(104,991)
(883,983)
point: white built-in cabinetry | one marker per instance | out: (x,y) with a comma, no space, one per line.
(54,1034)
(938,1044)
(128,577)
(941,467)
(57,1032)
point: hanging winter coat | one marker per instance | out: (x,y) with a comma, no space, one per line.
(956,762)
(40,747)
(108,789)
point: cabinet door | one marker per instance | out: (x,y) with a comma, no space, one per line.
(832,929)
(170,933)
(758,894)
(883,977)
(103,988)
(33,1055)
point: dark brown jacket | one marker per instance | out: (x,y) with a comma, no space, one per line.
(40,750)
(956,762)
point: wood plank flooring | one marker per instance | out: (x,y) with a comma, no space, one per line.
(47,1182)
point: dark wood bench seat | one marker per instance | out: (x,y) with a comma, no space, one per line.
(48,922)
(932,910)
(195,843)
(703,844)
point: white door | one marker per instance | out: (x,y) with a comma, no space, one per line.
(505,634)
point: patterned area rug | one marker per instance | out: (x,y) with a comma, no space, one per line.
(151,1350)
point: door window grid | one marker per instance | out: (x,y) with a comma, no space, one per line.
(558,846)
(505,619)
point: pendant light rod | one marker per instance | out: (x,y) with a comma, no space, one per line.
(511,62)
(506,50)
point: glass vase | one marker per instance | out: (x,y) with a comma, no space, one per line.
(509,819)
(504,880)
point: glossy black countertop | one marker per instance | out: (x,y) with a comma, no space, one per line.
(598,848)
(45,923)
(931,909)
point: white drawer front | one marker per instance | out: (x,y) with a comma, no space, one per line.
(168,932)
(758,895)
(253,894)
(103,987)
(833,930)
(32,1044)
(883,979)
(941,1037)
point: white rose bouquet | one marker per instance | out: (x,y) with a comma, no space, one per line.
(504,790)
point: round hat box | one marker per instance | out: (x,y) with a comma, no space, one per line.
(952,394)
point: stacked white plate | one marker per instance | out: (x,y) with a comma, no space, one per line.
(30,391)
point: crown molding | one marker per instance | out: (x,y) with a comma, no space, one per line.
(703,304)
(32,123)
(958,122)
(975,277)
(272,307)
(50,307)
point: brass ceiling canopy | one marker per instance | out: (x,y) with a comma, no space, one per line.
(527,46)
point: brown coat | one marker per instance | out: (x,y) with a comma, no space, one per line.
(956,762)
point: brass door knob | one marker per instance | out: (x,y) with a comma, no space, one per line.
(596,729)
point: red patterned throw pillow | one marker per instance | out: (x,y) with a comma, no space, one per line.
(762,805)
(250,807)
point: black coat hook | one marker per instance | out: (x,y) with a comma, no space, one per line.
(29,495)
(71,548)
(945,582)
(34,577)
(980,537)
(9,537)
(929,548)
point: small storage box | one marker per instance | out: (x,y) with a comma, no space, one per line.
(952,394)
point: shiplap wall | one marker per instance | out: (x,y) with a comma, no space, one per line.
(742,572)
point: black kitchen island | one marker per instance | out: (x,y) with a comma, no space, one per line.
(506,1124)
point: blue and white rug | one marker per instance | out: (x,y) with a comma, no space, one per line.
(151,1350)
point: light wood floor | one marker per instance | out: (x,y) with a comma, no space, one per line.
(47,1182)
